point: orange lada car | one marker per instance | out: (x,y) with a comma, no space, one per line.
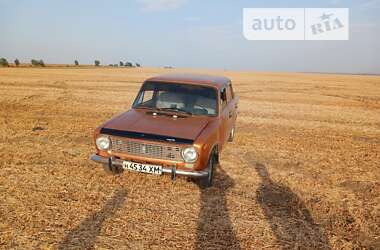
(178,125)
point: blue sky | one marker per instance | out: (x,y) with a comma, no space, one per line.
(180,33)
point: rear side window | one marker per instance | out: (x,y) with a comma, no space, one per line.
(229,93)
(223,98)
(232,91)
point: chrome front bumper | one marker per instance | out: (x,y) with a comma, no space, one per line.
(173,171)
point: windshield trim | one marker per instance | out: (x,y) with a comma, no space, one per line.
(136,106)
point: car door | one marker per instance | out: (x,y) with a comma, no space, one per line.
(224,117)
(232,107)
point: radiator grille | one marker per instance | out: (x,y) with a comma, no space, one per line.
(146,149)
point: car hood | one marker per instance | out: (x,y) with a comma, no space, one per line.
(141,121)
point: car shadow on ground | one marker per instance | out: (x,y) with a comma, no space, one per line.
(84,235)
(215,230)
(288,216)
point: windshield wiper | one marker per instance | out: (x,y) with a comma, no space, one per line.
(145,107)
(175,110)
(178,110)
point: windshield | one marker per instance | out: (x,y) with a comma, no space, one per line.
(194,99)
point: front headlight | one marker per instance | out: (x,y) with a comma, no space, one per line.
(189,154)
(103,142)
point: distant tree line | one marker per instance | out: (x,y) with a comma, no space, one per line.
(37,63)
(97,63)
(121,64)
(40,63)
(4,62)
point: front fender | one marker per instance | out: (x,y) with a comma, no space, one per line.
(206,141)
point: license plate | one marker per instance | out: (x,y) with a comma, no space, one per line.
(143,168)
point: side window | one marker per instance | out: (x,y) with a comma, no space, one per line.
(223,98)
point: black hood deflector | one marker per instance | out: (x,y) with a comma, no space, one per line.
(144,136)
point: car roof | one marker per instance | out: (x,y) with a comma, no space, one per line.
(207,80)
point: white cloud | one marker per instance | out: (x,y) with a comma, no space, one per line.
(371,4)
(363,4)
(191,19)
(335,2)
(160,5)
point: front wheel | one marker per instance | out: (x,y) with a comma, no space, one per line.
(207,182)
(112,169)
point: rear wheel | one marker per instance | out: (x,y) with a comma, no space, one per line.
(232,135)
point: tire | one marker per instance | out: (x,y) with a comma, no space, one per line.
(232,135)
(113,170)
(211,165)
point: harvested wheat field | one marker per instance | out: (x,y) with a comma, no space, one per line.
(302,173)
